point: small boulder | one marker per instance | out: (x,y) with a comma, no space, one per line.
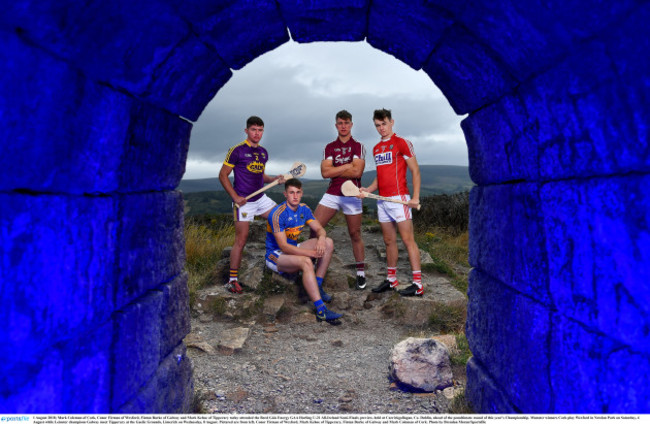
(420,365)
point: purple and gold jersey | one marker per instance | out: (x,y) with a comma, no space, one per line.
(248,163)
(282,218)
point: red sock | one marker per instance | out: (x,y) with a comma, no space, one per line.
(417,278)
(392,276)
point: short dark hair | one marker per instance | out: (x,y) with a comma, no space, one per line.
(254,120)
(381,114)
(292,182)
(344,115)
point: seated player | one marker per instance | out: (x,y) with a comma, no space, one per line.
(285,255)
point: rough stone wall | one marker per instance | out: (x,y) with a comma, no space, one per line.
(96,105)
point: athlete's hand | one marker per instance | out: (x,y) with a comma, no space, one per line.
(363,193)
(240,201)
(280,179)
(320,247)
(414,203)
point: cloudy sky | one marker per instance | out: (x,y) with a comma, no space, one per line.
(297,90)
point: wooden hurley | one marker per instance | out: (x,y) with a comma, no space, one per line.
(350,189)
(298,169)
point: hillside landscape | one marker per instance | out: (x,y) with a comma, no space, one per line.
(207,196)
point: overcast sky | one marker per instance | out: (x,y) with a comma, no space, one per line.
(297,90)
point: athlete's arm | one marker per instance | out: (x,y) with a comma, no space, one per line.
(317,228)
(227,185)
(290,249)
(413,166)
(372,187)
(270,179)
(328,170)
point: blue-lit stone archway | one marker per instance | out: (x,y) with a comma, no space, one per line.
(96,104)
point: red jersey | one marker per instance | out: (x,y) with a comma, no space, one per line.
(390,158)
(341,153)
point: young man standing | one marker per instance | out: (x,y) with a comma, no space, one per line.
(393,155)
(248,160)
(344,159)
(285,255)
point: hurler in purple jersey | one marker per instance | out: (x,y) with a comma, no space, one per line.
(248,160)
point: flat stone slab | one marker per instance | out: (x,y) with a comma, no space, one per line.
(232,341)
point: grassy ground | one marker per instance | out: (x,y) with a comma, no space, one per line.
(204,244)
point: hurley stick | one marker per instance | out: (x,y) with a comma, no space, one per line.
(349,189)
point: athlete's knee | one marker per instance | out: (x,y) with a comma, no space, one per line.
(306,263)
(329,243)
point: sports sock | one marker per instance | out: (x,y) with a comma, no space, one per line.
(320,306)
(361,269)
(319,280)
(417,278)
(233,274)
(391,274)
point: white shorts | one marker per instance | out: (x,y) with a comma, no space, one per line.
(250,210)
(393,212)
(349,205)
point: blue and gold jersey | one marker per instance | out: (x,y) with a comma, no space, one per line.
(282,218)
(248,163)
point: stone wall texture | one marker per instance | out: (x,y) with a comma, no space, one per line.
(97,102)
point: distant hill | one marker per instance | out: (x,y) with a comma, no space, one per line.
(206,195)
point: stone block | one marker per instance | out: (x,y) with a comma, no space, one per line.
(95,139)
(593,20)
(87,370)
(501,145)
(151,244)
(577,368)
(110,45)
(42,388)
(329,20)
(596,238)
(175,317)
(175,387)
(461,61)
(136,349)
(156,150)
(73,139)
(507,237)
(625,383)
(219,24)
(186,90)
(482,392)
(408,30)
(510,332)
(57,256)
(525,37)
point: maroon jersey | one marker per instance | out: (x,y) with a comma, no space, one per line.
(341,153)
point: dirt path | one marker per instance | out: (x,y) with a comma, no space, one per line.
(270,355)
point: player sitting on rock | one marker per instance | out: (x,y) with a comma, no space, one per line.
(285,255)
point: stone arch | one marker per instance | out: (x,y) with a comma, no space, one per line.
(96,105)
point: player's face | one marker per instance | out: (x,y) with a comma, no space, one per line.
(385,127)
(344,127)
(293,195)
(254,133)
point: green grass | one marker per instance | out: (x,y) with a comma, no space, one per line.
(204,245)
(449,251)
(448,318)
